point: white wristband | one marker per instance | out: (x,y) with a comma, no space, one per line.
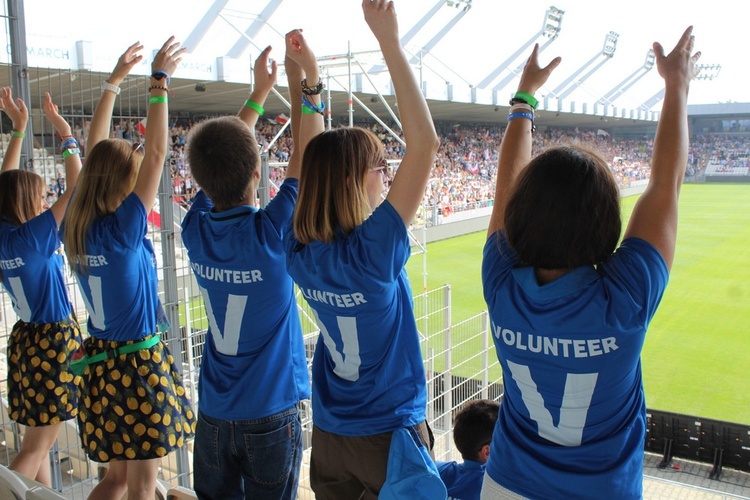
(521,107)
(112,88)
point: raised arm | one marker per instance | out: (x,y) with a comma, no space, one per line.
(515,149)
(157,130)
(422,141)
(654,216)
(71,157)
(264,82)
(19,115)
(310,121)
(294,75)
(102,119)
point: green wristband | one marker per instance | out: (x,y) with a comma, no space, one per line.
(71,152)
(18,134)
(158,99)
(255,107)
(527,98)
(308,111)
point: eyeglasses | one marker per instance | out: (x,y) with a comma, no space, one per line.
(382,168)
(137,146)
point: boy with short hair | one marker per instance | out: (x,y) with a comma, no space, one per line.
(248,441)
(472,433)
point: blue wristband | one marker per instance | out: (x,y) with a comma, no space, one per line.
(163,74)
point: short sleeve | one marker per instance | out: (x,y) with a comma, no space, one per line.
(497,263)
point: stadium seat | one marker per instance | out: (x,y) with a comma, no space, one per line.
(160,492)
(181,493)
(42,493)
(11,485)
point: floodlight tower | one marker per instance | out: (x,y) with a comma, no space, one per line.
(550,30)
(619,89)
(573,82)
(707,72)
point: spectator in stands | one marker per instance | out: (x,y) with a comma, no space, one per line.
(472,433)
(42,391)
(254,369)
(569,314)
(134,407)
(347,254)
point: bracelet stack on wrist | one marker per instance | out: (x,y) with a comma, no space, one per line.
(522,97)
(316,90)
(309,108)
(69,143)
(71,152)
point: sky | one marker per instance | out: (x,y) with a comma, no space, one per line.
(486,36)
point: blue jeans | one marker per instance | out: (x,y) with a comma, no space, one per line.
(258,459)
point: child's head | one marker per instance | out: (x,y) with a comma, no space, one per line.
(224,160)
(473,427)
(22,196)
(340,185)
(564,210)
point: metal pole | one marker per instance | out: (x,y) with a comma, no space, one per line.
(329,111)
(351,93)
(264,193)
(171,297)
(21,87)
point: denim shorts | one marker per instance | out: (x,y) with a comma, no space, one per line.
(242,459)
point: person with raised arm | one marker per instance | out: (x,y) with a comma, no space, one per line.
(42,390)
(569,307)
(134,409)
(347,254)
(253,373)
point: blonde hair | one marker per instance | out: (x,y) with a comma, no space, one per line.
(108,176)
(332,196)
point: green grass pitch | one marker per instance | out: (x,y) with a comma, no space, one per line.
(697,353)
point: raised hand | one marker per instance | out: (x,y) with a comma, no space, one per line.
(16,110)
(678,67)
(533,75)
(168,57)
(300,52)
(380,16)
(264,79)
(125,63)
(50,111)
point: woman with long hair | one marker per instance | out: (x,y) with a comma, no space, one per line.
(134,409)
(347,254)
(570,308)
(42,391)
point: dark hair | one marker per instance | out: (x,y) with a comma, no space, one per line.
(473,427)
(20,193)
(564,210)
(223,154)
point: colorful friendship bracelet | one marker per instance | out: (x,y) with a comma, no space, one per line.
(255,107)
(317,89)
(309,108)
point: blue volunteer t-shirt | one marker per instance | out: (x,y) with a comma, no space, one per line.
(254,362)
(572,422)
(463,481)
(120,288)
(32,269)
(367,372)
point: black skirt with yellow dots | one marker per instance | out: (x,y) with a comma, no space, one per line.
(133,406)
(41,388)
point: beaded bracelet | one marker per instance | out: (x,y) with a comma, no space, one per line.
(317,89)
(18,134)
(255,107)
(158,99)
(158,87)
(71,152)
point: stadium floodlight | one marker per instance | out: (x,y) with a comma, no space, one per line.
(610,44)
(707,71)
(650,60)
(552,22)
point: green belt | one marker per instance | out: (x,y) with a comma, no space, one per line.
(127,349)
